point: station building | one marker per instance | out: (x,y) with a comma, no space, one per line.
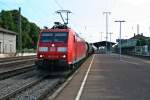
(7,41)
(136,45)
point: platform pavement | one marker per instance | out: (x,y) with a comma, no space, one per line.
(110,79)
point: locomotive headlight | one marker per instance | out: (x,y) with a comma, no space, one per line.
(62,49)
(41,56)
(43,49)
(64,56)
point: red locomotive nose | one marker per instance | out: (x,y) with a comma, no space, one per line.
(53,51)
(52,48)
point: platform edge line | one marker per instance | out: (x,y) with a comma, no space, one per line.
(84,80)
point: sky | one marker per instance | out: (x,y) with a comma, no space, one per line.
(87,16)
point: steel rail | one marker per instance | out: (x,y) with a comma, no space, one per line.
(15,71)
(9,95)
(19,61)
(15,58)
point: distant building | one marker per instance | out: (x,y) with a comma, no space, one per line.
(136,45)
(139,36)
(7,41)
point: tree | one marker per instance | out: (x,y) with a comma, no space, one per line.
(34,30)
(10,20)
(141,42)
(7,20)
(138,43)
(148,41)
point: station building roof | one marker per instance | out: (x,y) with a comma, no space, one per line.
(7,31)
(103,43)
(139,36)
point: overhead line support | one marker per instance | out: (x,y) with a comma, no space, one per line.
(106,13)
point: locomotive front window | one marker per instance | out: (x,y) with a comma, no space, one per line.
(60,37)
(53,37)
(46,37)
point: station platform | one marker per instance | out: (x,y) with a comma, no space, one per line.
(106,77)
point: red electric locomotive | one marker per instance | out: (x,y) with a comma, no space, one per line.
(59,46)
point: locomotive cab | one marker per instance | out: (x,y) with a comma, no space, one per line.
(59,46)
(52,48)
(52,44)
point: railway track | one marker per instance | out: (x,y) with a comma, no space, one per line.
(12,66)
(32,85)
(14,63)
(15,71)
(36,89)
(12,86)
(9,59)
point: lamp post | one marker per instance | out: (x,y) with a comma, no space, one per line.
(120,21)
(106,13)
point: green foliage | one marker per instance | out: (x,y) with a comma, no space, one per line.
(138,43)
(10,20)
(141,42)
(7,20)
(33,34)
(148,41)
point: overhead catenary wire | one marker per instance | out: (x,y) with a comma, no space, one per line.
(31,9)
(61,7)
(120,22)
(106,13)
(58,4)
(41,11)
